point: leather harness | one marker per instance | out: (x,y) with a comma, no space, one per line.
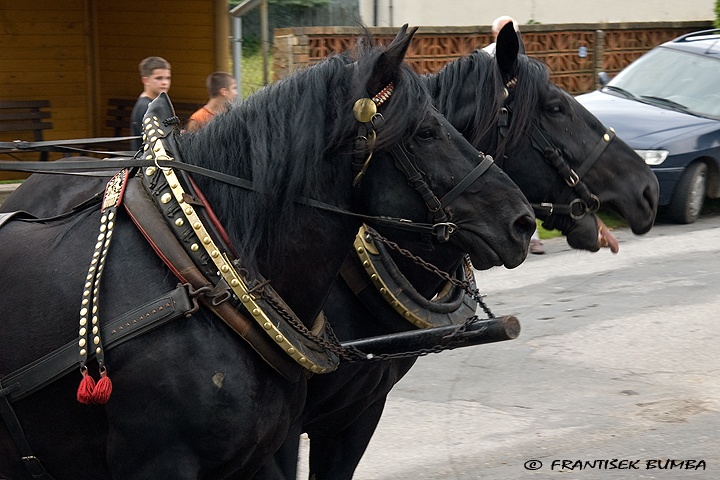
(170,213)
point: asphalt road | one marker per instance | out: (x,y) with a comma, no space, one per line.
(618,359)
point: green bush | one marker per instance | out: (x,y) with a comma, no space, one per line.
(717,13)
(252,72)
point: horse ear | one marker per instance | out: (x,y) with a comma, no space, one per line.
(401,42)
(507,48)
(522,45)
(388,63)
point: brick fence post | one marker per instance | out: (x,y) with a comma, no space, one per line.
(291,52)
(599,56)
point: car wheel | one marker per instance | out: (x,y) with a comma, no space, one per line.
(689,195)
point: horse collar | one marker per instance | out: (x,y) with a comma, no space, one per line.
(253,295)
(217,275)
(452,306)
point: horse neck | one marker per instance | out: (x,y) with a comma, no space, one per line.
(304,272)
(302,265)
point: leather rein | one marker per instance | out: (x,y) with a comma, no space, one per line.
(441,229)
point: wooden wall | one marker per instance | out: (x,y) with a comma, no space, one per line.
(181,31)
(43,55)
(80,53)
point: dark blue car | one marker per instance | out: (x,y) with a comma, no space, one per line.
(666,105)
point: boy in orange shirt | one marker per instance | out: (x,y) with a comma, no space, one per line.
(222,90)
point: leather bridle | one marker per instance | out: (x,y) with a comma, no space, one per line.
(576,200)
(372,122)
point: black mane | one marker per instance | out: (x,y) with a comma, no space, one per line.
(294,138)
(471,90)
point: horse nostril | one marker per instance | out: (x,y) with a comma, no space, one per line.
(526,223)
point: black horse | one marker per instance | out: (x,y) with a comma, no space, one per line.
(192,399)
(531,126)
(472,93)
(505,105)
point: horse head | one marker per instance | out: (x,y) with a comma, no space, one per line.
(563,159)
(470,202)
(359,133)
(583,163)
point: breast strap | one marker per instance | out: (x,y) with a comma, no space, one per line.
(155,229)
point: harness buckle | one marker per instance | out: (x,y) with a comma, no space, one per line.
(194,293)
(572,179)
(377,121)
(549,206)
(33,465)
(503,117)
(434,205)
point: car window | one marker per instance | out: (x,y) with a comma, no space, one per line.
(674,79)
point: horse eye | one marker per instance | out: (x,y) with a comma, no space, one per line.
(555,108)
(426,134)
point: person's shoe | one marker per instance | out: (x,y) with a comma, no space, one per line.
(537,247)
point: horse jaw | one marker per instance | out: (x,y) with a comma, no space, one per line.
(581,234)
(487,250)
(640,214)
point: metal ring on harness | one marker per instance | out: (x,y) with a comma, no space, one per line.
(448,227)
(584,208)
(577,205)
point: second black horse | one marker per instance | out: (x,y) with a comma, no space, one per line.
(541,136)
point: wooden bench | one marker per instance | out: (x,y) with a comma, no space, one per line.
(25,116)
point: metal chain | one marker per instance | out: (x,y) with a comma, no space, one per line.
(464,284)
(351,354)
(333,345)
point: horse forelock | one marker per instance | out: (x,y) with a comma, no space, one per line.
(469,92)
(532,75)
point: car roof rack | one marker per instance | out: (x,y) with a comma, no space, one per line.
(693,35)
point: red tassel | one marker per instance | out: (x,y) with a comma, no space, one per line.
(85,389)
(103,389)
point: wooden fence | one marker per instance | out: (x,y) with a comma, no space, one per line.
(575,53)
